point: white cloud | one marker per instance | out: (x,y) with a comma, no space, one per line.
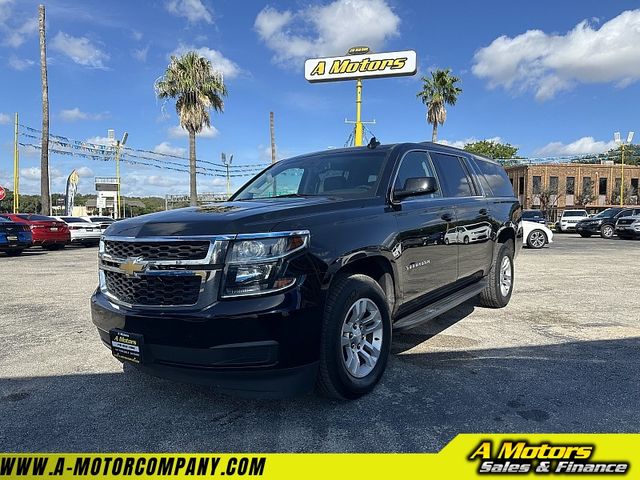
(168,149)
(462,143)
(85,172)
(74,114)
(550,63)
(98,140)
(18,35)
(20,63)
(136,35)
(140,54)
(80,49)
(193,10)
(582,146)
(178,132)
(5,119)
(33,173)
(220,63)
(326,30)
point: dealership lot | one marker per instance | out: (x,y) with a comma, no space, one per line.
(563,356)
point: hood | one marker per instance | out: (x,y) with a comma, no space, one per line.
(249,216)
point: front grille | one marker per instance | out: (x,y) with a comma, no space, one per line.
(154,289)
(182,250)
(625,221)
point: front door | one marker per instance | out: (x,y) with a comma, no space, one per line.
(426,261)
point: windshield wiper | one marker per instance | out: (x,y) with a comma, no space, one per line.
(293,195)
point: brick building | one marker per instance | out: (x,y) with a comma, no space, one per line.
(569,180)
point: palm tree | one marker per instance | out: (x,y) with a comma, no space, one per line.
(197,88)
(44,151)
(438,91)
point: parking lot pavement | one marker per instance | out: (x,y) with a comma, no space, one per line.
(563,356)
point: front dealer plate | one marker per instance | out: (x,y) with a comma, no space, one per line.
(126,346)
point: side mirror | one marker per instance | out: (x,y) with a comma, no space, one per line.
(417,186)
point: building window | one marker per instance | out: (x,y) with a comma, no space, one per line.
(537,184)
(586,183)
(571,185)
(521,185)
(634,186)
(602,186)
(553,185)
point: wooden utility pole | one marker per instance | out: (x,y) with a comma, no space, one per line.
(44,151)
(273,138)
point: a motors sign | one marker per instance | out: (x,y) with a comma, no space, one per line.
(368,65)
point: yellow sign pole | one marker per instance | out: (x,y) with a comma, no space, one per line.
(16,169)
(622,176)
(359,132)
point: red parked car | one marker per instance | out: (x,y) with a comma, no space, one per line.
(47,232)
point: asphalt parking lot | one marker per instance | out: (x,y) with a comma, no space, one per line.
(564,356)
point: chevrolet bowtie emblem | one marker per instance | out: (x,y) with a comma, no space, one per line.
(132,265)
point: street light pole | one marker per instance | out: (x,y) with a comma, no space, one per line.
(119,145)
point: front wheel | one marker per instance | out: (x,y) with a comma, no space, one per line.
(498,292)
(537,239)
(606,231)
(356,338)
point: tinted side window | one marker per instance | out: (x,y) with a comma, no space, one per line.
(415,164)
(453,176)
(496,177)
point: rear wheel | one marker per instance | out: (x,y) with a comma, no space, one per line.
(498,292)
(606,231)
(356,338)
(537,239)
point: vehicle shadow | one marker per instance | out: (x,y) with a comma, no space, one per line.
(423,401)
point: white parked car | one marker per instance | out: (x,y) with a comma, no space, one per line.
(570,218)
(82,231)
(535,234)
(101,222)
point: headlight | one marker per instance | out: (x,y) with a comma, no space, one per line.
(256,263)
(101,246)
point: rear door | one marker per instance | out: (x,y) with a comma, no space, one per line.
(426,261)
(475,248)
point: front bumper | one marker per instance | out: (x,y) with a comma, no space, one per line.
(566,227)
(264,347)
(627,231)
(589,227)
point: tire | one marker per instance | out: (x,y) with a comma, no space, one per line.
(536,239)
(493,296)
(465,240)
(334,378)
(606,231)
(14,253)
(585,235)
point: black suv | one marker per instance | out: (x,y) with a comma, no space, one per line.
(300,278)
(604,223)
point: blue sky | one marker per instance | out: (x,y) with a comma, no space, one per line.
(551,77)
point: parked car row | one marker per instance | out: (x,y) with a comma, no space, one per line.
(621,221)
(19,231)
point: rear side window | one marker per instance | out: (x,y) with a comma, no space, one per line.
(453,176)
(494,177)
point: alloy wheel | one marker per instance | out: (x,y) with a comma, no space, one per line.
(361,339)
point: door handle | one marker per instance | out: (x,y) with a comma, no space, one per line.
(483,211)
(447,217)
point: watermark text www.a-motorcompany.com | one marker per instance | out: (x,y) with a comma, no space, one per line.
(523,457)
(30,466)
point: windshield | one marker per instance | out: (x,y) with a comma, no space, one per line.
(532,214)
(575,213)
(74,220)
(353,174)
(609,212)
